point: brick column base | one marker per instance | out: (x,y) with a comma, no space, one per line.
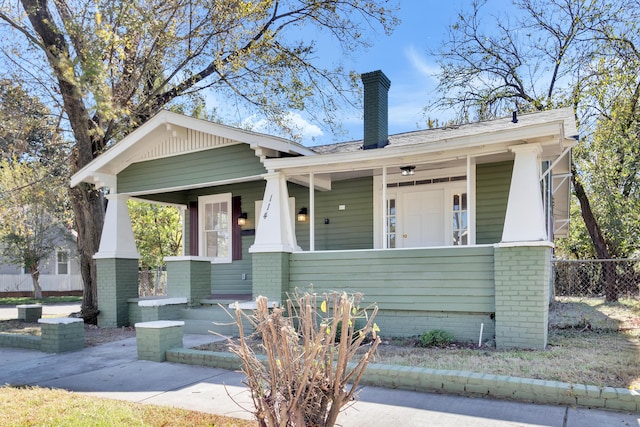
(117,282)
(189,277)
(271,275)
(522,274)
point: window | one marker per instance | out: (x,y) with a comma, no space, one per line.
(215,227)
(391,223)
(62,262)
(460,226)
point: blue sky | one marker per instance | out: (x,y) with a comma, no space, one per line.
(404,59)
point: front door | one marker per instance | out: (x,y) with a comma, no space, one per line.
(422,219)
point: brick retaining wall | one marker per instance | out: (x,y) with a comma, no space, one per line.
(456,382)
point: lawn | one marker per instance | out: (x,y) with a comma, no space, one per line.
(36,406)
(590,342)
(45,300)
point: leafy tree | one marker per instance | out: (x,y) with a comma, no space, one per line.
(109,66)
(33,176)
(157,231)
(554,53)
(30,230)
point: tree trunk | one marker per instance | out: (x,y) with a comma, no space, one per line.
(88,208)
(598,240)
(35,278)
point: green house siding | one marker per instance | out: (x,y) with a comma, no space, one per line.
(231,162)
(453,279)
(349,228)
(492,192)
(236,277)
(249,192)
(416,290)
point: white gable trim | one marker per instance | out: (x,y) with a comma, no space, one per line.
(169,134)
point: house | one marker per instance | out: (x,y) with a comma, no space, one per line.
(59,273)
(448,228)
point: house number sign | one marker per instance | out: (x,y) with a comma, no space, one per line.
(266,210)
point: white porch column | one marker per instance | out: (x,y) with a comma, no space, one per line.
(117,235)
(524,220)
(275,228)
(312,212)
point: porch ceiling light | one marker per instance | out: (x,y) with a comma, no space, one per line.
(302,215)
(242,219)
(407,170)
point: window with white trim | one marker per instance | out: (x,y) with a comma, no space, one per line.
(391,223)
(215,218)
(62,262)
(460,226)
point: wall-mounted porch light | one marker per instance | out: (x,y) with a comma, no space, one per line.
(302,215)
(242,219)
(407,170)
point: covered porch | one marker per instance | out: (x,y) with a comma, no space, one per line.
(442,229)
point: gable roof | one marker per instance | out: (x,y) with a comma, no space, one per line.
(168,134)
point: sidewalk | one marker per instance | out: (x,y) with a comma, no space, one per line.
(112,370)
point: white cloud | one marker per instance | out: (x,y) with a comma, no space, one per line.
(301,127)
(306,129)
(420,63)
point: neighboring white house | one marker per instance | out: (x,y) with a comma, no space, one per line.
(59,273)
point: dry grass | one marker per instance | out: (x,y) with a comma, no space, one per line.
(45,407)
(93,335)
(590,342)
(19,327)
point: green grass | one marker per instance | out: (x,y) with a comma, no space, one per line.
(45,407)
(45,300)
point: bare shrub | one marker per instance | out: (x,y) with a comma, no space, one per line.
(305,377)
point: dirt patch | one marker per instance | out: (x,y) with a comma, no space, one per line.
(590,342)
(93,335)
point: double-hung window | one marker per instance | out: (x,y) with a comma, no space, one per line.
(62,262)
(215,231)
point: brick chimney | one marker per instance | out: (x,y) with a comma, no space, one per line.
(376,89)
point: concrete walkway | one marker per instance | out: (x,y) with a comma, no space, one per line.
(112,370)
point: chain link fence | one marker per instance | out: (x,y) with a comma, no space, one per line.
(152,282)
(611,278)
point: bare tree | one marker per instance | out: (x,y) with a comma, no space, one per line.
(544,54)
